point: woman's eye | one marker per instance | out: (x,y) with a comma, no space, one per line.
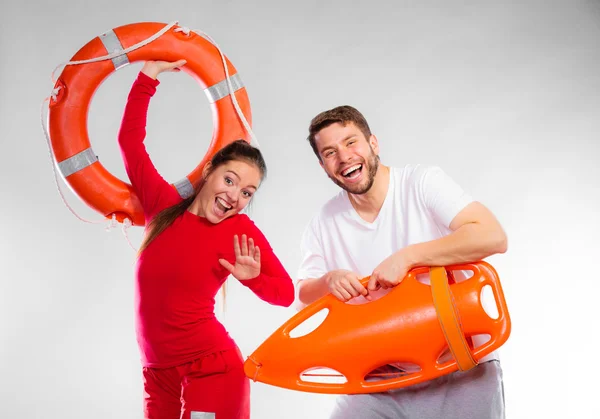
(247,194)
(228,181)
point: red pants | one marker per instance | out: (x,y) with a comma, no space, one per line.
(212,387)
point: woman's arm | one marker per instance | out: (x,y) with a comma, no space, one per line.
(153,191)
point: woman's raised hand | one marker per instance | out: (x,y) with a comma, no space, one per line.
(153,68)
(247,259)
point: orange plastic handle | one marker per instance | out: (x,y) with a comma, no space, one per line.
(449,320)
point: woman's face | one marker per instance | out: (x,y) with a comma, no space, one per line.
(227,190)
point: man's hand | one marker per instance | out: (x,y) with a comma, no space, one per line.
(390,272)
(345,285)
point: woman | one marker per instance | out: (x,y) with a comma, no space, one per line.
(190,363)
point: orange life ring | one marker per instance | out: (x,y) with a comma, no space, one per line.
(77,84)
(414,325)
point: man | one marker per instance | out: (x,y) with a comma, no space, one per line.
(384,222)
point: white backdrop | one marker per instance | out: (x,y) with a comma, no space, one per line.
(505,96)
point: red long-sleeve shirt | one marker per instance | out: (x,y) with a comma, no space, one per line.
(179,274)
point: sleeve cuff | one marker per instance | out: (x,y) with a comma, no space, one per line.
(251,282)
(452,211)
(143,78)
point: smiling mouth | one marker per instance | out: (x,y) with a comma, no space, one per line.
(352,172)
(223,205)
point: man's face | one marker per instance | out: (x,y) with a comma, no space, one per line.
(349,159)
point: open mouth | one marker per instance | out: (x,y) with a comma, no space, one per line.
(352,172)
(222,205)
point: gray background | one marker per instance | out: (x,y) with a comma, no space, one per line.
(505,96)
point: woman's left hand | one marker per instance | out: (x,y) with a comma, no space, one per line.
(247,259)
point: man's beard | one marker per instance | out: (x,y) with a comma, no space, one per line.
(361,188)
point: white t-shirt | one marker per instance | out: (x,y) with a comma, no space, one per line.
(420,204)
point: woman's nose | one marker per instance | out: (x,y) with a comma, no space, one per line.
(233,195)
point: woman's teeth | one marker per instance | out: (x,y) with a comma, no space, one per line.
(224,206)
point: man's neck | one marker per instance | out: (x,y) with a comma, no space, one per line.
(369,204)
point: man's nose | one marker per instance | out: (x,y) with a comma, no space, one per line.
(343,155)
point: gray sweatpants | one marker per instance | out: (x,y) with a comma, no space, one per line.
(474,394)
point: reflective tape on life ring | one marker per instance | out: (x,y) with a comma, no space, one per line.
(221,89)
(112,44)
(77,162)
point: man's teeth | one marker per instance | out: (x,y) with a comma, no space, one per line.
(351,169)
(225,204)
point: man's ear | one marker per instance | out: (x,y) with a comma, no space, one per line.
(374,142)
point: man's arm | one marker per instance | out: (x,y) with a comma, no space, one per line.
(311,289)
(344,285)
(476,234)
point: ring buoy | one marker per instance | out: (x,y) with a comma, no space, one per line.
(67,118)
(414,324)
